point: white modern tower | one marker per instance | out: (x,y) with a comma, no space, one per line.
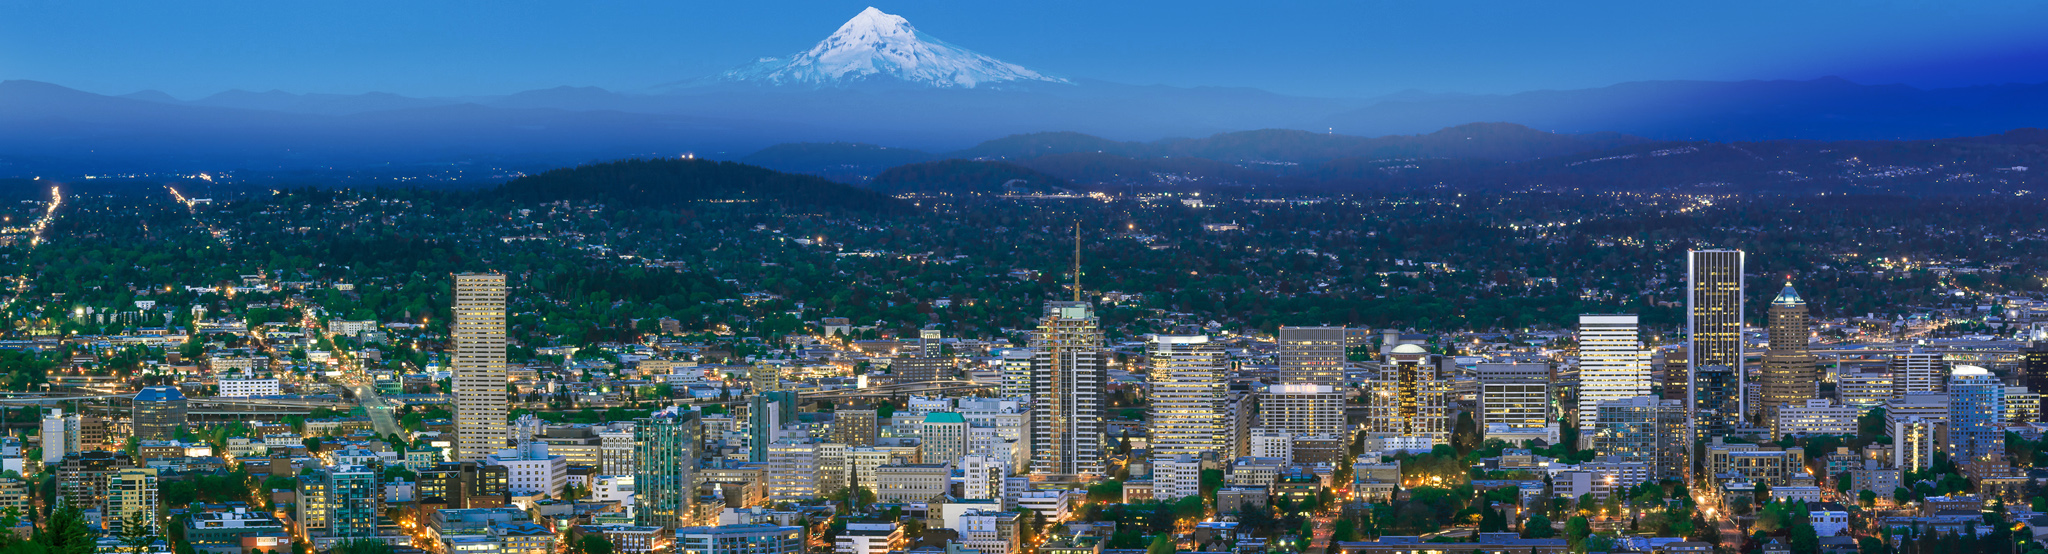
(1612,365)
(482,427)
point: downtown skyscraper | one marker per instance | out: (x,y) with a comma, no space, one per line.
(1713,330)
(1188,388)
(482,422)
(666,445)
(1410,402)
(1612,365)
(1312,356)
(1976,428)
(1308,402)
(1068,370)
(1789,374)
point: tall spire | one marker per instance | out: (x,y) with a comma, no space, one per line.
(1077,261)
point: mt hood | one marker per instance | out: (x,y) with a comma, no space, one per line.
(876,46)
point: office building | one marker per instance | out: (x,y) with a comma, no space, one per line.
(217,531)
(990,532)
(984,477)
(1176,477)
(159,413)
(930,343)
(1067,374)
(740,539)
(2034,367)
(615,448)
(532,470)
(1919,371)
(1017,372)
(792,469)
(912,482)
(481,412)
(1713,328)
(61,436)
(631,539)
(1976,406)
(247,388)
(1789,375)
(1677,378)
(2022,406)
(767,413)
(1916,423)
(1770,465)
(855,425)
(463,485)
(943,437)
(1612,365)
(666,446)
(1312,356)
(1864,388)
(82,477)
(1818,416)
(920,369)
(1409,402)
(766,377)
(1516,396)
(1645,429)
(860,537)
(1238,408)
(1302,409)
(131,491)
(1188,387)
(341,502)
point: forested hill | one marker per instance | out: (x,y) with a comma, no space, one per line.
(666,182)
(963,177)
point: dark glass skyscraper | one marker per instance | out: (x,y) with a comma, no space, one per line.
(665,447)
(1713,328)
(2034,367)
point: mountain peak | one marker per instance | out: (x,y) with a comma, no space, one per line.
(877,45)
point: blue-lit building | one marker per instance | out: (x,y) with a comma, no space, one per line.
(159,412)
(1976,398)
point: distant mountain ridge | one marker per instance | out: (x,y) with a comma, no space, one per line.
(1486,141)
(1828,108)
(679,182)
(1468,157)
(965,177)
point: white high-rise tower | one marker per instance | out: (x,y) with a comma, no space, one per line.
(1612,365)
(481,414)
(1188,387)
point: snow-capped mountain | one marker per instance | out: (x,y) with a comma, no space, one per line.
(874,46)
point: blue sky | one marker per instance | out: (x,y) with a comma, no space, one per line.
(1341,48)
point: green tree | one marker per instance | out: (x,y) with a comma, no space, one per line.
(594,543)
(1576,530)
(1465,436)
(1160,545)
(65,532)
(1538,527)
(137,532)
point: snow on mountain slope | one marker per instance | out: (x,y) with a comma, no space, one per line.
(879,45)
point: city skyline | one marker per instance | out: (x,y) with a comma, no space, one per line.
(815,277)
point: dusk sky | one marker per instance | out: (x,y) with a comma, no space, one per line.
(1354,48)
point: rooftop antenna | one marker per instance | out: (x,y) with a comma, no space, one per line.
(1077,261)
